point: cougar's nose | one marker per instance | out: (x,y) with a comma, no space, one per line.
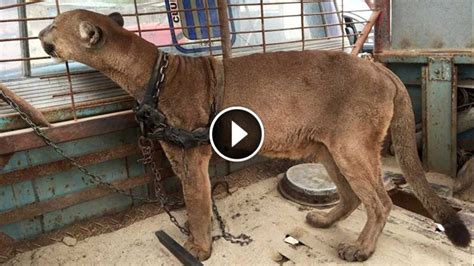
(44,31)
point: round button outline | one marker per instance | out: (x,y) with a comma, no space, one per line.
(259,121)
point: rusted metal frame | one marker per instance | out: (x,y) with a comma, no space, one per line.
(72,74)
(216,25)
(16,5)
(208,23)
(342,22)
(23,59)
(224,29)
(25,19)
(382,27)
(262,23)
(293,28)
(18,39)
(137,18)
(24,44)
(71,91)
(365,33)
(287,42)
(295,15)
(302,24)
(179,28)
(35,209)
(463,56)
(166,12)
(26,139)
(64,112)
(33,172)
(283,3)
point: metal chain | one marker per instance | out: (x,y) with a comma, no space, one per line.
(38,131)
(241,239)
(147,148)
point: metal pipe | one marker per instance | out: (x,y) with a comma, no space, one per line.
(365,33)
(24,44)
(225,29)
(382,28)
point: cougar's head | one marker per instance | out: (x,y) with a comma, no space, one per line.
(80,35)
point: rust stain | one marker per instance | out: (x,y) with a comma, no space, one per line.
(405,43)
(64,165)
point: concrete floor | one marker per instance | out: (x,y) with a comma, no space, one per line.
(260,211)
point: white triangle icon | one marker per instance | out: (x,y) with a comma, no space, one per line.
(237,134)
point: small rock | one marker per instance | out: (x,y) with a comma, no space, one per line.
(69,241)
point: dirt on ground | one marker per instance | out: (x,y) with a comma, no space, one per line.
(260,211)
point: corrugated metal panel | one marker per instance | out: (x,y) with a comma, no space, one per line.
(53,92)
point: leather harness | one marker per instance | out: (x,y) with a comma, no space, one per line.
(153,123)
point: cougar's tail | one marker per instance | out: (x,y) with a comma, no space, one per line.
(403,137)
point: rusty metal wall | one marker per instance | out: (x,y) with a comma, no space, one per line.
(430,49)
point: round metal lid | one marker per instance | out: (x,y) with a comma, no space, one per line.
(309,184)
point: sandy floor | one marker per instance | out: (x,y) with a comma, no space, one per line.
(261,212)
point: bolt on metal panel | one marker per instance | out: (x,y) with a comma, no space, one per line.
(439,105)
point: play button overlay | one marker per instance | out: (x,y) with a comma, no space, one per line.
(236,134)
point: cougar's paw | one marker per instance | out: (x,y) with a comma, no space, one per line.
(354,251)
(198,252)
(318,219)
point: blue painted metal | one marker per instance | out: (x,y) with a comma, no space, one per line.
(46,187)
(428,57)
(439,106)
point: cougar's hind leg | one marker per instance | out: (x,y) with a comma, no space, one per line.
(197,195)
(348,200)
(361,167)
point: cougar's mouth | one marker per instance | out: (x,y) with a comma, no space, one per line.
(50,49)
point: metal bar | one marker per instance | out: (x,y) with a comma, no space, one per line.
(71,91)
(137,18)
(25,19)
(225,29)
(370,4)
(262,22)
(177,250)
(38,208)
(302,24)
(365,33)
(24,44)
(33,172)
(382,28)
(208,22)
(343,31)
(17,5)
(25,139)
(23,59)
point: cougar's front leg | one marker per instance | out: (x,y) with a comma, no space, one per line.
(194,175)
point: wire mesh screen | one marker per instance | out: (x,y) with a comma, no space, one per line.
(70,90)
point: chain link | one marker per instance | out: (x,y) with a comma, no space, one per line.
(40,133)
(147,149)
(241,239)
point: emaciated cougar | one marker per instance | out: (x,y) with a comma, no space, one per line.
(310,107)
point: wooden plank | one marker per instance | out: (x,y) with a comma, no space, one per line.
(25,139)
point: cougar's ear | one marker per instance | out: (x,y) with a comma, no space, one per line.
(117,17)
(91,35)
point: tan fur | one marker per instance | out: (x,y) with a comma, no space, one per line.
(328,106)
